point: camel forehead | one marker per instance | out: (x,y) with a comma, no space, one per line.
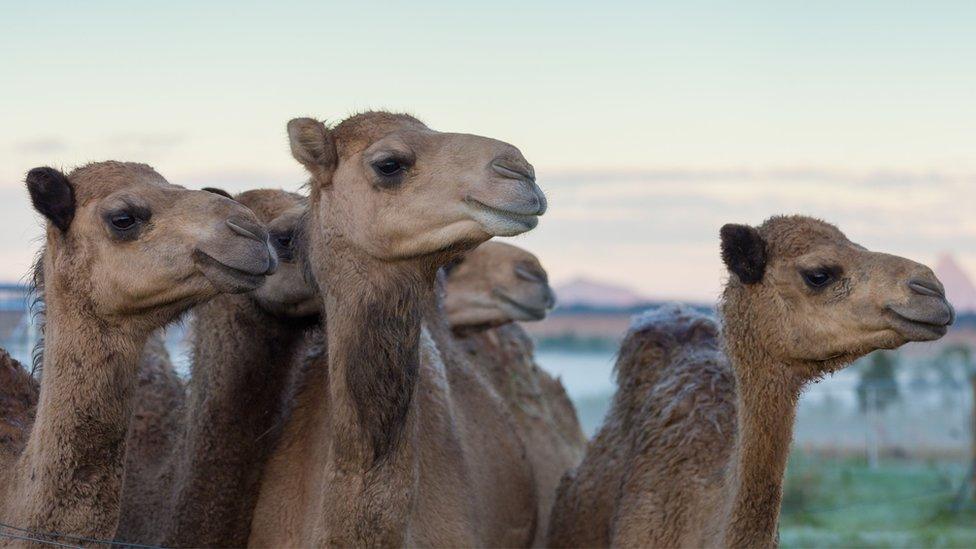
(101,179)
(791,236)
(496,254)
(359,131)
(268,204)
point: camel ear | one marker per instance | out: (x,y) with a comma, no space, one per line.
(311,144)
(52,195)
(744,252)
(215,190)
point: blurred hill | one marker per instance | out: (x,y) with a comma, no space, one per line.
(583,292)
(959,287)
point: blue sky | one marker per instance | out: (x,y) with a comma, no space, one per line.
(650,125)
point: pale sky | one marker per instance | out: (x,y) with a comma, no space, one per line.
(649,125)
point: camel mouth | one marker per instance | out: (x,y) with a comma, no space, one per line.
(225,278)
(530,312)
(499,221)
(915,328)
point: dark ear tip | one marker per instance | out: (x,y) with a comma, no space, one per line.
(52,195)
(44,175)
(744,252)
(215,190)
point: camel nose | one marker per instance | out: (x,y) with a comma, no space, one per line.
(550,298)
(926,287)
(511,165)
(249,229)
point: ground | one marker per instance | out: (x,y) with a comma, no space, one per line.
(841,502)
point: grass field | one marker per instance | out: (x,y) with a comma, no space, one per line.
(841,502)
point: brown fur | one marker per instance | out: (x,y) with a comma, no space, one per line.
(544,415)
(694,448)
(493,286)
(18,399)
(160,397)
(103,297)
(395,439)
(201,491)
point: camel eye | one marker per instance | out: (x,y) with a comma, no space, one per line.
(389,167)
(818,278)
(284,245)
(123,221)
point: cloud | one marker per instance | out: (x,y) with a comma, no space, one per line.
(658,229)
(235,180)
(146,143)
(45,145)
(877,178)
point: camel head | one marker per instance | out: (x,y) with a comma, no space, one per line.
(812,297)
(134,245)
(288,292)
(396,189)
(495,284)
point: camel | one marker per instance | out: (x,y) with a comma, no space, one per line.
(493,286)
(694,448)
(126,252)
(395,439)
(18,398)
(200,489)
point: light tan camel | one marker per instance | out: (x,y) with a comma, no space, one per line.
(694,448)
(200,489)
(126,252)
(395,439)
(493,286)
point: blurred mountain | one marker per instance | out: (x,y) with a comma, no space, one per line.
(959,287)
(583,292)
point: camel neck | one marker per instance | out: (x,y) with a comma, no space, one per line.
(373,332)
(76,448)
(766,407)
(243,358)
(238,346)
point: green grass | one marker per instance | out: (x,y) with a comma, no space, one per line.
(841,502)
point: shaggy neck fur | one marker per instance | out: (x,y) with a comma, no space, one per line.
(70,473)
(242,358)
(377,366)
(767,393)
(373,337)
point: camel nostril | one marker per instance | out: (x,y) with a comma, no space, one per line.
(513,170)
(926,287)
(247,229)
